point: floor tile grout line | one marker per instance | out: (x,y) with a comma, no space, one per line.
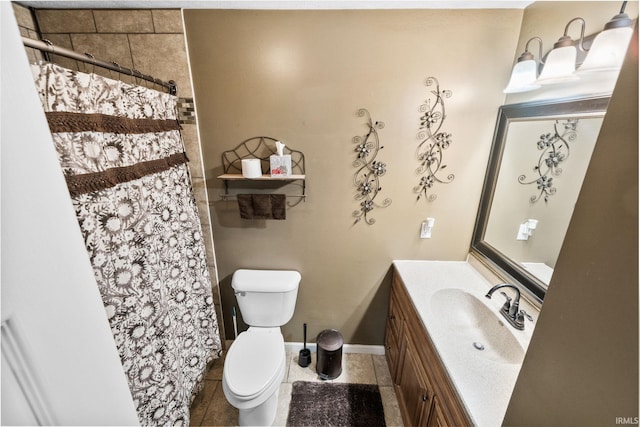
(375,371)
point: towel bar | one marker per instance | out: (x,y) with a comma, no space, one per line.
(301,197)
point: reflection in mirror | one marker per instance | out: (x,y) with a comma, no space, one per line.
(539,158)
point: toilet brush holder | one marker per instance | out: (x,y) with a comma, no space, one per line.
(304,358)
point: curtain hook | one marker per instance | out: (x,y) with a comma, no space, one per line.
(135,73)
(46,56)
(93,61)
(119,69)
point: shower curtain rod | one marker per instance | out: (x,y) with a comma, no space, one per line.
(47,46)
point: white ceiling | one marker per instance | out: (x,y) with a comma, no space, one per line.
(276,4)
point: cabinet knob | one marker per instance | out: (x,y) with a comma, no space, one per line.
(425,396)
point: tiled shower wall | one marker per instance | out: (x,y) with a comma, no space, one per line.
(148,40)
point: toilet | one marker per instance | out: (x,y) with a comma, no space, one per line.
(254,366)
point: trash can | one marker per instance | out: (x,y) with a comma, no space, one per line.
(329,358)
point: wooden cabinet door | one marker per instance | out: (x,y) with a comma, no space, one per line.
(436,417)
(392,338)
(395,318)
(425,393)
(414,390)
(392,352)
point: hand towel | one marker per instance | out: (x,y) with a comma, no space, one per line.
(262,206)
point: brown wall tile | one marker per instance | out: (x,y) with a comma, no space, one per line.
(65,21)
(23,16)
(106,47)
(167,20)
(32,34)
(123,21)
(192,148)
(164,57)
(61,40)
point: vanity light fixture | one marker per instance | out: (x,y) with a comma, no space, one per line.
(563,63)
(610,45)
(525,72)
(560,65)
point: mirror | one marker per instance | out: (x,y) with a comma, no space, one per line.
(539,157)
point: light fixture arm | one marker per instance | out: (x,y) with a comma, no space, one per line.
(527,55)
(566,40)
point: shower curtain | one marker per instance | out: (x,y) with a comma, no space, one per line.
(121,152)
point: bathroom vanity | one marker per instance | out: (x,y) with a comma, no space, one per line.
(452,359)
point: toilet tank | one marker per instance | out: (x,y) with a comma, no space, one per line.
(266,298)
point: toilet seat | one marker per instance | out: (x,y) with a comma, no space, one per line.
(255,360)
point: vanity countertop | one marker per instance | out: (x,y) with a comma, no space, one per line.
(484,385)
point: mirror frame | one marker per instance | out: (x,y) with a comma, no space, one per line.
(536,110)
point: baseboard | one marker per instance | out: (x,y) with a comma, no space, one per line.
(346,348)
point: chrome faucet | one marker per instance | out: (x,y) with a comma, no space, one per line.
(511,310)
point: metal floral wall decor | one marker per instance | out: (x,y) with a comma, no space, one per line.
(369,170)
(555,150)
(433,142)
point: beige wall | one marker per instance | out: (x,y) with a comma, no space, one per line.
(581,367)
(150,40)
(300,76)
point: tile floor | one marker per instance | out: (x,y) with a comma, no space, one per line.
(210,408)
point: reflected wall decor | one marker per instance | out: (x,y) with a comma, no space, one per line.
(369,170)
(433,142)
(555,150)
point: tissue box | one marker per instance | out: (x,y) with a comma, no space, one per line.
(280,165)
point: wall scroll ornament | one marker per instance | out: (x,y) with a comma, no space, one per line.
(367,176)
(555,150)
(432,142)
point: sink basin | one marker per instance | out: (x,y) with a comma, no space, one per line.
(473,327)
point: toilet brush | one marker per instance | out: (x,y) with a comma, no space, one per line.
(304,358)
(235,322)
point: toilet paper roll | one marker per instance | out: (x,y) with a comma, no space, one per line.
(251,168)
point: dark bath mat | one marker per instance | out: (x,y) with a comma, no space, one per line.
(335,404)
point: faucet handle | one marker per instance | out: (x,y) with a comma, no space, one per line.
(507,303)
(522,314)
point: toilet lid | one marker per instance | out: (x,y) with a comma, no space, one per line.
(253,361)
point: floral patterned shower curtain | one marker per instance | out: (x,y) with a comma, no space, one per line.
(121,152)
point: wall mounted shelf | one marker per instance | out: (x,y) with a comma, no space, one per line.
(239,177)
(261,147)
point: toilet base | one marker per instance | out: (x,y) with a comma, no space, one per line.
(262,415)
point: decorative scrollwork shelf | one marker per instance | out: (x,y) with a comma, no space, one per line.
(261,147)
